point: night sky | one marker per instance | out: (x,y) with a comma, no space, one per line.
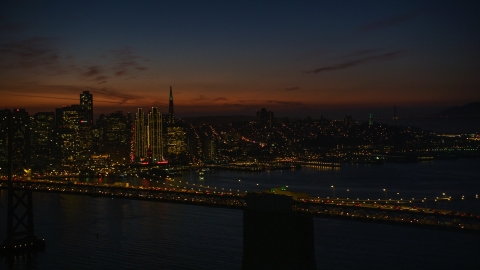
(313,58)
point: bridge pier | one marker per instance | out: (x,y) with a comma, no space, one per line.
(20,235)
(274,236)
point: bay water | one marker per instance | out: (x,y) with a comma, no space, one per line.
(83,232)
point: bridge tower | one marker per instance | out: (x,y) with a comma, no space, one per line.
(275,236)
(20,234)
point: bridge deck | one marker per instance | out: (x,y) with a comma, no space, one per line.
(393,213)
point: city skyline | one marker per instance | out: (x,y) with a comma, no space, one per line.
(298,60)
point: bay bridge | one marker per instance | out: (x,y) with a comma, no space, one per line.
(397,212)
(276,223)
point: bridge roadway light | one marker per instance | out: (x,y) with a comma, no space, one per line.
(333,191)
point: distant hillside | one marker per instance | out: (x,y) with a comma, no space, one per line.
(469,109)
(210,120)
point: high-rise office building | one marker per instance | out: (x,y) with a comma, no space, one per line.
(148,138)
(21,138)
(42,141)
(4,119)
(18,121)
(171,112)
(70,116)
(155,143)
(86,101)
(176,141)
(175,133)
(266,118)
(140,139)
(74,136)
(115,137)
(209,149)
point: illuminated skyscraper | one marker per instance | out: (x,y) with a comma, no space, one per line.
(42,131)
(176,141)
(86,101)
(171,112)
(175,134)
(148,144)
(19,121)
(21,138)
(155,144)
(115,139)
(74,136)
(140,147)
(4,118)
(209,149)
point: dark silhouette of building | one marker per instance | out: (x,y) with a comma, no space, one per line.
(4,118)
(266,118)
(21,138)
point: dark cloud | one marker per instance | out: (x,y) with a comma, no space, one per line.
(356,62)
(285,102)
(292,88)
(95,73)
(92,71)
(234,104)
(62,98)
(200,98)
(123,98)
(37,96)
(40,55)
(120,73)
(220,99)
(122,62)
(101,79)
(32,53)
(125,61)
